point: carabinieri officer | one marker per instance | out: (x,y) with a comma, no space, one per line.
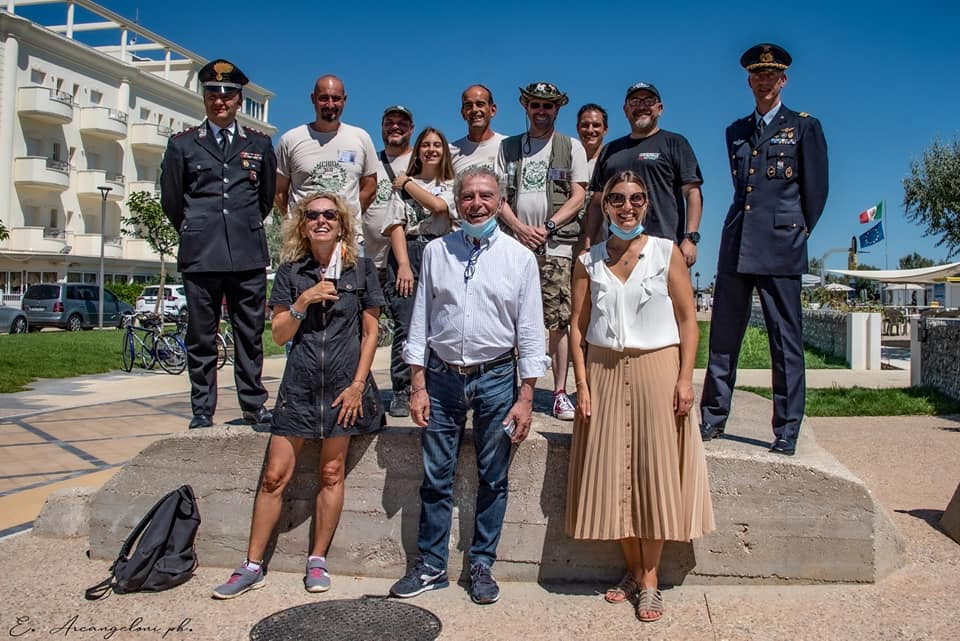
(217,186)
(779,162)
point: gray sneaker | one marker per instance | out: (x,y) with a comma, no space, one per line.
(316,578)
(242,580)
(400,405)
(483,587)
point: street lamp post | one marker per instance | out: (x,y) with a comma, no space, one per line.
(697,276)
(104,190)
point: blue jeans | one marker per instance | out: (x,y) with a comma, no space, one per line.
(490,395)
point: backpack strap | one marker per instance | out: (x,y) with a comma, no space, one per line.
(559,190)
(387,167)
(512,158)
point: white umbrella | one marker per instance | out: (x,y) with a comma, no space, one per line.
(837,287)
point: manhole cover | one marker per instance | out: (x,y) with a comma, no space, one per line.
(349,620)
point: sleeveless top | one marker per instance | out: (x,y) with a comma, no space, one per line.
(637,314)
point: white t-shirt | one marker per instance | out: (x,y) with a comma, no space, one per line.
(375,243)
(416,219)
(467,153)
(334,161)
(532,207)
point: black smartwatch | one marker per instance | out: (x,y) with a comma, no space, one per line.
(693,236)
(551,227)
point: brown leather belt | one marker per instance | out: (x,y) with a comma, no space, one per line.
(469,370)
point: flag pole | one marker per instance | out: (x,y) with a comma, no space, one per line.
(886,255)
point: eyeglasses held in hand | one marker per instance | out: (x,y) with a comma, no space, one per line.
(313,214)
(619,200)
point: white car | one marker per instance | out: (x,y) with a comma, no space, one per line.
(174,300)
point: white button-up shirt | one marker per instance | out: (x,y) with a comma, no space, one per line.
(472,321)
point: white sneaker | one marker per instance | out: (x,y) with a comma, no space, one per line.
(563,407)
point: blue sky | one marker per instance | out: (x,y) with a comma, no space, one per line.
(876,74)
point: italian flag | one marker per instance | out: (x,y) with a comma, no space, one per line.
(872,214)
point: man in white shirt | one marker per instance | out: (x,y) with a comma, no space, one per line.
(546,172)
(478,300)
(327,154)
(480,146)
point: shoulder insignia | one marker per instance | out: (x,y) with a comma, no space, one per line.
(803,114)
(185,131)
(255,131)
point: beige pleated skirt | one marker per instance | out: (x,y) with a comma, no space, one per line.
(636,470)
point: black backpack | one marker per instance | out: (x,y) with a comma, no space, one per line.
(165,556)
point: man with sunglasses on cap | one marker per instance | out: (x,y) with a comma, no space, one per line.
(217,187)
(668,166)
(546,172)
(778,159)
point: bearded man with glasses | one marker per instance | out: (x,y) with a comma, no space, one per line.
(666,163)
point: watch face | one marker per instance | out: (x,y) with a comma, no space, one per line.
(550,225)
(694,237)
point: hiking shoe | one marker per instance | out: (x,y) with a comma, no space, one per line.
(483,587)
(400,405)
(242,580)
(563,407)
(419,579)
(316,578)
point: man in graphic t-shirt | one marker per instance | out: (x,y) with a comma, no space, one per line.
(546,172)
(327,154)
(668,166)
(481,144)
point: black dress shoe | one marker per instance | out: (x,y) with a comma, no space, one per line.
(710,432)
(201,420)
(259,416)
(781,446)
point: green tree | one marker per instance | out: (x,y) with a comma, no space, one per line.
(931,194)
(274,237)
(4,234)
(915,261)
(147,221)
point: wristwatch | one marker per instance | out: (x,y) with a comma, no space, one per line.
(551,226)
(300,316)
(693,236)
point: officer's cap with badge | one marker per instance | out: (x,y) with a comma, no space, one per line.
(221,76)
(765,57)
(542,91)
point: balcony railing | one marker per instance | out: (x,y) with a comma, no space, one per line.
(54,232)
(58,165)
(119,116)
(115,178)
(64,97)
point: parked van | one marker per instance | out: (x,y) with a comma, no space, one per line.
(71,306)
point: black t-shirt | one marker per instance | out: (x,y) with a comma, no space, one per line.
(666,162)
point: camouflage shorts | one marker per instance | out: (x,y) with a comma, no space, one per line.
(555,286)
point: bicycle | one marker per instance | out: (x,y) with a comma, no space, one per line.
(224,339)
(151,346)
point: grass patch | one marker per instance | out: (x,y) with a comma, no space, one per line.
(27,357)
(862,401)
(755,352)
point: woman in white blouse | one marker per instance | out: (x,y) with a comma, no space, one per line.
(637,468)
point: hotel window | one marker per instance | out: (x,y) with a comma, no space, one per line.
(144,113)
(37,77)
(95,97)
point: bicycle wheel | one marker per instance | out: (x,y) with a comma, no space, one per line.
(148,350)
(171,354)
(228,341)
(221,351)
(127,351)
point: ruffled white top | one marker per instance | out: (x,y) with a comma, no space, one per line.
(637,314)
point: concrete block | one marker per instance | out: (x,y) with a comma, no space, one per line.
(66,513)
(950,521)
(804,519)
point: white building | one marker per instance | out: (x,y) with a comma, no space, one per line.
(75,117)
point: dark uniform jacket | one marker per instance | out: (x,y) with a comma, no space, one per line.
(218,201)
(780,188)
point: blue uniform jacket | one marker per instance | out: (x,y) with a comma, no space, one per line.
(780,188)
(217,202)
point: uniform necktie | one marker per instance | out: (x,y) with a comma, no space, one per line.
(224,141)
(761,124)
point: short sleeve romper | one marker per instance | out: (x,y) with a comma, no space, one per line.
(325,352)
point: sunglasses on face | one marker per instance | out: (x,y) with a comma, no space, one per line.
(313,214)
(548,106)
(619,200)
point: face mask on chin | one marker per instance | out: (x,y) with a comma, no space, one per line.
(480,231)
(625,235)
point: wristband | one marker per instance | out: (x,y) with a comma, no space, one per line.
(414,390)
(403,187)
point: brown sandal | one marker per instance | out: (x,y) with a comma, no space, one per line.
(622,591)
(650,601)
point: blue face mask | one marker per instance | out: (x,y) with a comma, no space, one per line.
(481,231)
(625,235)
